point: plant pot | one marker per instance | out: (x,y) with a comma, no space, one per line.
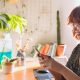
(7,68)
(60,50)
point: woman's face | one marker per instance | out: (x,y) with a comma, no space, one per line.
(76,31)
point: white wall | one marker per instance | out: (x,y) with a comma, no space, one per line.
(41,17)
(65,8)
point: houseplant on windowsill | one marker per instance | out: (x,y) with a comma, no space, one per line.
(9,22)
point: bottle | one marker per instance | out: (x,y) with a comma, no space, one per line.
(6,46)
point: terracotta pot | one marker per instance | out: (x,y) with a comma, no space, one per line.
(60,49)
(7,68)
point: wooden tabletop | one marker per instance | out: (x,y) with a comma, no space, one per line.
(22,72)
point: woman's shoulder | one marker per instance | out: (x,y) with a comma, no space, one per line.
(73,62)
(78,45)
(76,49)
(75,53)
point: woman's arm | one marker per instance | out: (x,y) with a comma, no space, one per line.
(66,72)
(54,66)
(58,76)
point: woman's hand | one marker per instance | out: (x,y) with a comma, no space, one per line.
(49,63)
(45,61)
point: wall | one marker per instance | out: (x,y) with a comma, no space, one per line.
(65,8)
(41,17)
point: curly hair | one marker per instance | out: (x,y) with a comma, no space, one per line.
(74,17)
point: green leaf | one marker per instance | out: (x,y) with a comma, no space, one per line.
(12,22)
(5,16)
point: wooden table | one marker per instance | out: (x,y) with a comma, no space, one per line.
(23,72)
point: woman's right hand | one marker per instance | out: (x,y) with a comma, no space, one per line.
(49,63)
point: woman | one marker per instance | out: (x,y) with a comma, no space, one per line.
(72,69)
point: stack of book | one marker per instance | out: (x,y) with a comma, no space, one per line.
(46,49)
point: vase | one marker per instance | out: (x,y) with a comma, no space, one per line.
(5,46)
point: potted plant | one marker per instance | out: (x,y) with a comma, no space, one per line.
(4,26)
(13,22)
(9,23)
(17,22)
(58,29)
(7,64)
(60,47)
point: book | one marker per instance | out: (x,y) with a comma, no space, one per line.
(42,49)
(49,51)
(46,48)
(38,47)
(52,50)
(54,47)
